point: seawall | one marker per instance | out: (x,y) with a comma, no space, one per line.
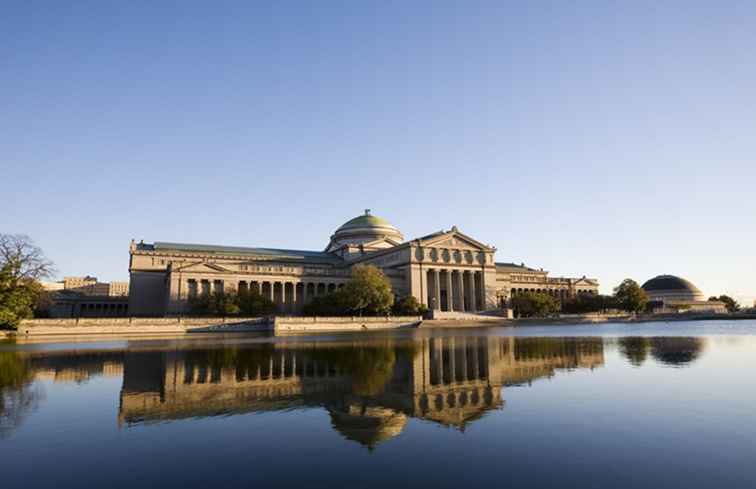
(180,326)
(137,326)
(297,325)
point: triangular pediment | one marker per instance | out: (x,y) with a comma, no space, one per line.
(202,267)
(382,243)
(455,240)
(585,281)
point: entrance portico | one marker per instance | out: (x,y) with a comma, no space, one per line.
(454,290)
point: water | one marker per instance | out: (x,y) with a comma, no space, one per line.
(645,405)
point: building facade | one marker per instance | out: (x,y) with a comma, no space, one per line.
(75,297)
(447,271)
(88,286)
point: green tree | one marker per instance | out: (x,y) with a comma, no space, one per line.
(368,291)
(730,303)
(252,303)
(331,304)
(534,304)
(22,265)
(630,297)
(231,304)
(408,306)
(585,303)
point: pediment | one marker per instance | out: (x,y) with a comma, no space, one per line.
(381,243)
(203,267)
(456,240)
(584,280)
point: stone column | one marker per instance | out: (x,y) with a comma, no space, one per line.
(293,297)
(449,291)
(272,292)
(461,290)
(436,289)
(473,293)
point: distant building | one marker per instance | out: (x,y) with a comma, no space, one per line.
(447,271)
(75,297)
(88,286)
(118,289)
(671,294)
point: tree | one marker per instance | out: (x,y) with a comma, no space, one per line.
(331,304)
(22,265)
(534,304)
(630,297)
(368,291)
(251,303)
(408,306)
(231,304)
(730,303)
(585,303)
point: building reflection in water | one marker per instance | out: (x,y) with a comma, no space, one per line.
(369,388)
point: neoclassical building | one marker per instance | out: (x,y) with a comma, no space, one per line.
(446,270)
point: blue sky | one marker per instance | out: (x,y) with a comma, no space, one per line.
(609,140)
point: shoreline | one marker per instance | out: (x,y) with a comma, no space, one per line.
(290,325)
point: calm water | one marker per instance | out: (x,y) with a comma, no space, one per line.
(657,405)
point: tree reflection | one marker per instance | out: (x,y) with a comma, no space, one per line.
(635,349)
(16,398)
(673,351)
(369,365)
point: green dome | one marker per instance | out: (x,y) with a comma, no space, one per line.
(364,229)
(365,220)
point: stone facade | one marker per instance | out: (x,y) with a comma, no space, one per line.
(446,270)
(88,286)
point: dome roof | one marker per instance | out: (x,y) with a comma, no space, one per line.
(672,288)
(669,282)
(364,229)
(364,220)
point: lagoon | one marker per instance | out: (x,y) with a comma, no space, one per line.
(617,405)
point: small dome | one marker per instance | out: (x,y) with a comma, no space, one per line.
(671,287)
(364,229)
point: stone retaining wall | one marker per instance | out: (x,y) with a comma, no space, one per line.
(288,325)
(42,327)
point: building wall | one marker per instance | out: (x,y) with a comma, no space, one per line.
(148,293)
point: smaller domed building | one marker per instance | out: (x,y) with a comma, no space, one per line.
(672,294)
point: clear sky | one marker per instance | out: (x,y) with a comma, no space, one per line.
(613,139)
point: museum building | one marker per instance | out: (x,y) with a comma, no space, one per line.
(447,270)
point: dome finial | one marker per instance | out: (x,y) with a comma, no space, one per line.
(367,212)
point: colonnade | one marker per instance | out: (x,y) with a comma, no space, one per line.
(455,290)
(289,296)
(557,293)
